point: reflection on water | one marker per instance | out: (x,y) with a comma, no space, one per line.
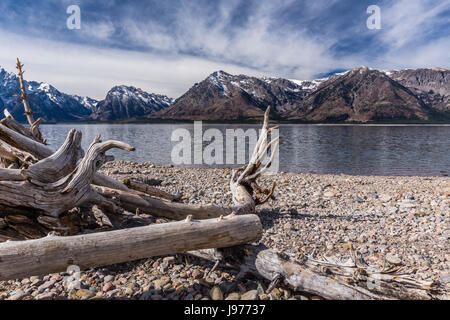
(350,149)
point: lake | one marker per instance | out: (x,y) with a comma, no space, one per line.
(422,150)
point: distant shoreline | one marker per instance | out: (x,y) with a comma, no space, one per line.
(124,163)
(369,123)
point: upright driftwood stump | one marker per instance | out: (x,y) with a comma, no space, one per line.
(34,125)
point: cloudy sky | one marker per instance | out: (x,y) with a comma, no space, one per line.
(167,46)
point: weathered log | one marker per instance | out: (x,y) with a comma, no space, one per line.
(11,123)
(22,142)
(11,174)
(151,191)
(71,191)
(51,254)
(59,164)
(328,280)
(41,151)
(15,155)
(131,201)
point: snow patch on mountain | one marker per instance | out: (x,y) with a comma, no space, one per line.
(217,79)
(308,84)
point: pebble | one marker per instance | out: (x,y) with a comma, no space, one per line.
(84,294)
(328,194)
(46,296)
(159,283)
(393,259)
(233,296)
(250,295)
(216,293)
(46,285)
(196,274)
(276,294)
(108,286)
(16,295)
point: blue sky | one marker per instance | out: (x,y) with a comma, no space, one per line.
(167,46)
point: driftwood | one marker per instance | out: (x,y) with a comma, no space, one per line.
(34,125)
(42,197)
(55,254)
(41,151)
(244,188)
(149,190)
(353,280)
(160,208)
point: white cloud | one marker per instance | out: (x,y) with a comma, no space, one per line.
(262,42)
(408,21)
(436,53)
(90,71)
(98,31)
(409,30)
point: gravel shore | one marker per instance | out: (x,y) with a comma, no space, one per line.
(396,220)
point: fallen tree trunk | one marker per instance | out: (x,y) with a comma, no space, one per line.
(41,151)
(73,190)
(132,201)
(329,280)
(15,156)
(149,190)
(52,254)
(11,123)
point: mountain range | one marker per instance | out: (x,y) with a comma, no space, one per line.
(361,95)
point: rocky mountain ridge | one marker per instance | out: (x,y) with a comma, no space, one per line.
(361,94)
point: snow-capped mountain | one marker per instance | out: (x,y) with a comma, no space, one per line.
(126,102)
(121,102)
(46,100)
(361,94)
(222,96)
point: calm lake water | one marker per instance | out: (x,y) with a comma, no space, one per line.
(422,150)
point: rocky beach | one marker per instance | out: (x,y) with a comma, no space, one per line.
(397,221)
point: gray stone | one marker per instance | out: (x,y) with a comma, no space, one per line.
(250,295)
(16,295)
(233,296)
(46,285)
(393,259)
(216,293)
